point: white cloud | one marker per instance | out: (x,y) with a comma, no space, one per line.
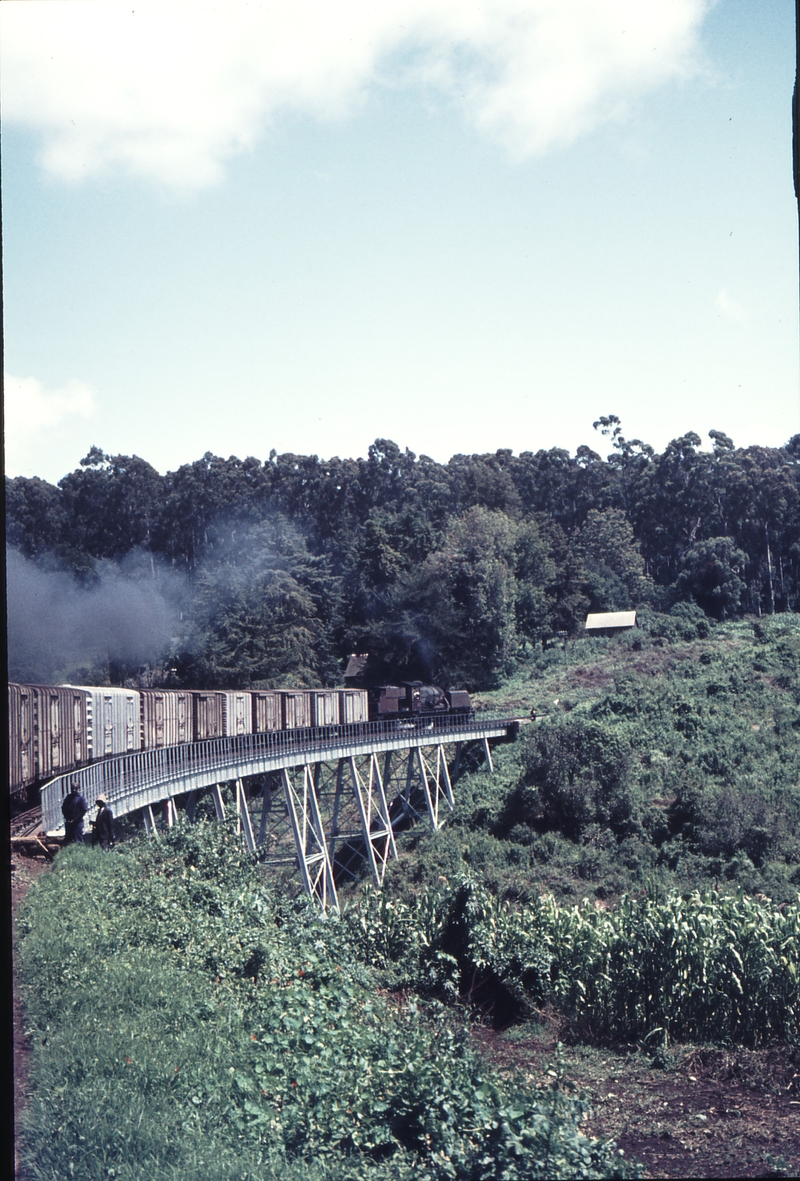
(32,412)
(169,90)
(730,308)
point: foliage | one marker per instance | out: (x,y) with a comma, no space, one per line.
(688,967)
(188,1024)
(455,570)
(710,574)
(668,756)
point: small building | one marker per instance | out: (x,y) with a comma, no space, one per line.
(610,623)
(355,675)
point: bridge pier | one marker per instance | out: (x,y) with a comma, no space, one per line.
(341,814)
(244,824)
(219,806)
(313,859)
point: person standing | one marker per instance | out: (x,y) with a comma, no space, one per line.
(103,828)
(73,809)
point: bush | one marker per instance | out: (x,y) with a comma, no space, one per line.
(582,772)
(688,967)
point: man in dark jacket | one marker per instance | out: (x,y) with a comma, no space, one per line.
(73,808)
(103,828)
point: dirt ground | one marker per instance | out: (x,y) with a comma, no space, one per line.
(700,1113)
(24,871)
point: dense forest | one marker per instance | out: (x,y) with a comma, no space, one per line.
(233,572)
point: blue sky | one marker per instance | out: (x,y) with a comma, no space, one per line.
(460,226)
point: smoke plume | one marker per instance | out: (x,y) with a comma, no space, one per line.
(63,628)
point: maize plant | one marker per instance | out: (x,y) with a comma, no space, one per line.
(697,967)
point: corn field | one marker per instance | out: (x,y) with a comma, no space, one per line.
(697,967)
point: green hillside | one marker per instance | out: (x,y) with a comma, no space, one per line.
(665,758)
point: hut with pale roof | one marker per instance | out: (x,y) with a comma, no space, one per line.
(610,623)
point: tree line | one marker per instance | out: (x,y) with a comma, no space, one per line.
(448,571)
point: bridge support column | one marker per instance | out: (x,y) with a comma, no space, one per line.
(337,803)
(309,837)
(376,824)
(171,812)
(435,784)
(266,808)
(219,807)
(243,822)
(487,750)
(149,821)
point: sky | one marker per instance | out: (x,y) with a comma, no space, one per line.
(460,225)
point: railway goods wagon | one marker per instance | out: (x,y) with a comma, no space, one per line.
(460,701)
(166,717)
(353,706)
(267,710)
(325,707)
(298,709)
(208,714)
(61,728)
(21,733)
(115,721)
(237,712)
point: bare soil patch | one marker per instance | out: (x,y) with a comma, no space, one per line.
(703,1113)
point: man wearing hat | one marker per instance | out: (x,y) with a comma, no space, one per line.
(103,826)
(73,809)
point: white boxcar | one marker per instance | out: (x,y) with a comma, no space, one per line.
(237,710)
(115,721)
(267,712)
(297,706)
(354,705)
(326,707)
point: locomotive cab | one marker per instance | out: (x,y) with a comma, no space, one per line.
(424,699)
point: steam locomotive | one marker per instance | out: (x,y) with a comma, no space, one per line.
(55,729)
(405,700)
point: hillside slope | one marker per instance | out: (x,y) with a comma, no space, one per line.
(666,757)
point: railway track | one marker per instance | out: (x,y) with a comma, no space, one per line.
(28,837)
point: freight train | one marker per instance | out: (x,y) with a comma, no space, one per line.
(54,729)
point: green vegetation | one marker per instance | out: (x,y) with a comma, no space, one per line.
(631,868)
(234,572)
(189,1025)
(664,759)
(691,968)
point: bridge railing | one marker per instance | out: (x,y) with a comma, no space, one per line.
(139,773)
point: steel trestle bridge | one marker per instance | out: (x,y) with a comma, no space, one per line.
(328,797)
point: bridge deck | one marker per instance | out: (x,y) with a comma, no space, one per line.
(134,781)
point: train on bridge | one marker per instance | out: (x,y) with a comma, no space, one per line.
(55,729)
